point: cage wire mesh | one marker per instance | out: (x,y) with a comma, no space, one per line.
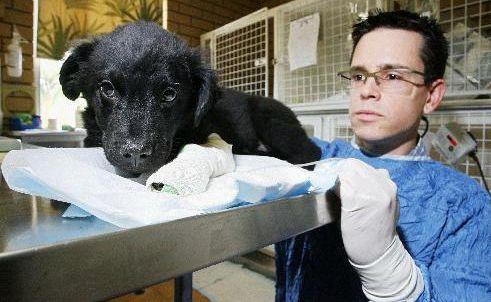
(241,58)
(206,52)
(314,84)
(468,29)
(241,55)
(467,25)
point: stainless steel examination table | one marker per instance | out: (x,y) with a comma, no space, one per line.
(44,257)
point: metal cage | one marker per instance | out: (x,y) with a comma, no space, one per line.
(239,53)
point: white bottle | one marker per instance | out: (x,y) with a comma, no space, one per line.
(13,56)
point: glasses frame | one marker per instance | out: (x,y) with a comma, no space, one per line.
(375,76)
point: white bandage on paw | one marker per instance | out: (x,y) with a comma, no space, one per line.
(190,172)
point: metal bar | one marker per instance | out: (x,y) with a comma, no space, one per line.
(103,261)
(183,288)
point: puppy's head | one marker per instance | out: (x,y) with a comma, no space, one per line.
(144,85)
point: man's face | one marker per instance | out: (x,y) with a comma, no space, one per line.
(382,116)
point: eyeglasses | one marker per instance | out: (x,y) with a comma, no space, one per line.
(396,80)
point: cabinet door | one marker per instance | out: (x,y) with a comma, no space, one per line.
(312,124)
(336,126)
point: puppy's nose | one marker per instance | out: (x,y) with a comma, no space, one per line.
(137,155)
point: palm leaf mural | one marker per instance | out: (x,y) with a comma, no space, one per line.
(56,40)
(129,11)
(80,4)
(119,9)
(82,28)
(149,10)
(61,21)
(43,27)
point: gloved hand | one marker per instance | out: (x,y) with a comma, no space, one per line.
(369,215)
(190,172)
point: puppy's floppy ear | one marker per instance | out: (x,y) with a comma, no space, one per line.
(208,92)
(70,73)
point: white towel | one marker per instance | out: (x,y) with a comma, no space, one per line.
(84,178)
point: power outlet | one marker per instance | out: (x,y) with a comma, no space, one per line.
(453,143)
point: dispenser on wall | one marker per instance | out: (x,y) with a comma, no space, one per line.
(13,56)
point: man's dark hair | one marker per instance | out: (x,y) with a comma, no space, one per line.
(435,47)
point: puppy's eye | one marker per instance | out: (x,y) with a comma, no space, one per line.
(169,94)
(107,89)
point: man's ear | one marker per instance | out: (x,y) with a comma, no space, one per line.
(208,93)
(435,96)
(71,71)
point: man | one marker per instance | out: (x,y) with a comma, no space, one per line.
(410,228)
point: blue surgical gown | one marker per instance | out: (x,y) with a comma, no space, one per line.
(445,224)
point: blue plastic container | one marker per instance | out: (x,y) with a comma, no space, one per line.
(16,124)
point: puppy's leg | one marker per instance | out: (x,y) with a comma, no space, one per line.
(245,135)
(233,123)
(289,141)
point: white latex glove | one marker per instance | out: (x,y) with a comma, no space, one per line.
(369,215)
(190,172)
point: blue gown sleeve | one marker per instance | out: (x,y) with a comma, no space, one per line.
(328,149)
(460,269)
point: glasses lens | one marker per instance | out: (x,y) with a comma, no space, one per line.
(394,81)
(344,79)
(390,81)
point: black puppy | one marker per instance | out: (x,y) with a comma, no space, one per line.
(148,94)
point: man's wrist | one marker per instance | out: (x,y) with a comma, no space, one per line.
(392,277)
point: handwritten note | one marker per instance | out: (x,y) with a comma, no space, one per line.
(302,42)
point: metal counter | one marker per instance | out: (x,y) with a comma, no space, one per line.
(44,257)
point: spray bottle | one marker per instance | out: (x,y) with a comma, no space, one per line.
(13,56)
